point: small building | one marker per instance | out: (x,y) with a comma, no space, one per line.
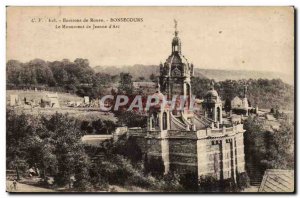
(241,105)
(144,87)
(270,117)
(86,100)
(51,100)
(141,85)
(14,100)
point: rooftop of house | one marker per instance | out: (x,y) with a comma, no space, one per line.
(277,180)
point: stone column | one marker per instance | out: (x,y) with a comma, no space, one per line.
(165,151)
(240,152)
(201,157)
(223,143)
(215,114)
(221,118)
(233,156)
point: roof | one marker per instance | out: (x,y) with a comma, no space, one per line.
(277,180)
(212,93)
(144,84)
(52,95)
(176,59)
(270,117)
(236,99)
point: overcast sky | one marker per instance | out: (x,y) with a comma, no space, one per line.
(212,38)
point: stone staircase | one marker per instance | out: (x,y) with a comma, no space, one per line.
(255,174)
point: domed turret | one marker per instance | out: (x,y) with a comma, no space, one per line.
(176,72)
(176,43)
(213,105)
(212,92)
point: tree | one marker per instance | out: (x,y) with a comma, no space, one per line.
(52,145)
(227,105)
(131,119)
(141,78)
(13,70)
(284,144)
(200,86)
(125,84)
(152,77)
(69,150)
(20,135)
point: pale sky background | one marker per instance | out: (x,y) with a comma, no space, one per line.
(241,38)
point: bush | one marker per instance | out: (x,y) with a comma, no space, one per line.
(211,184)
(189,181)
(243,181)
(208,184)
(171,183)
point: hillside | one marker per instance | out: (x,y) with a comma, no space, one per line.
(221,75)
(136,71)
(139,70)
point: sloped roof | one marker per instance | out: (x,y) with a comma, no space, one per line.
(144,84)
(270,117)
(276,180)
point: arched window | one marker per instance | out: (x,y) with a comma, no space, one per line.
(188,92)
(219,114)
(165,121)
(152,123)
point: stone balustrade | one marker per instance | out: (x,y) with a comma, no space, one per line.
(218,132)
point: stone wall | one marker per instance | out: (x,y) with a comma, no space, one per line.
(183,152)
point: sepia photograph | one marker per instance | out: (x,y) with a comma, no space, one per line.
(150,99)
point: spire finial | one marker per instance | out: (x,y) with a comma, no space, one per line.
(245,90)
(158,86)
(212,85)
(175,26)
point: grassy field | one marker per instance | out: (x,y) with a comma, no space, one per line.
(81,113)
(38,95)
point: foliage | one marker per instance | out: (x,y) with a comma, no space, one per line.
(52,145)
(284,144)
(98,126)
(169,183)
(127,148)
(21,141)
(265,149)
(76,77)
(208,184)
(260,92)
(189,181)
(125,84)
(211,184)
(130,119)
(243,181)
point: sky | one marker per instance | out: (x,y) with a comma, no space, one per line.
(239,38)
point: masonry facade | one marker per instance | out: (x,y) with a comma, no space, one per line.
(183,140)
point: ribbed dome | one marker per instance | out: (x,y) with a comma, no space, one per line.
(176,58)
(212,93)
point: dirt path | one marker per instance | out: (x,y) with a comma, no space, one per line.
(25,188)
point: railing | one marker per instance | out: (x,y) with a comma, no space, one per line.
(153,133)
(217,132)
(136,131)
(176,133)
(177,122)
